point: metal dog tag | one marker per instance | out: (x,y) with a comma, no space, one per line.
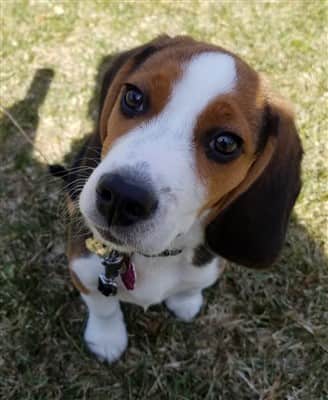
(106,281)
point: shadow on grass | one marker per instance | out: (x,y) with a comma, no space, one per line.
(26,114)
(42,315)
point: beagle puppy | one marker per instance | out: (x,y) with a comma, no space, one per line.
(192,161)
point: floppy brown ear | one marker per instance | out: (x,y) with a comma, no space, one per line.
(251,229)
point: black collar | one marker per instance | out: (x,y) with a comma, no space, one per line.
(165,253)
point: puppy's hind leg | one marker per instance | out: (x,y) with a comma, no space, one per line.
(185,305)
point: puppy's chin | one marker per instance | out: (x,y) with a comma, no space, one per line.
(149,242)
(107,238)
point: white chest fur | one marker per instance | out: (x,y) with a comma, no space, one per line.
(156,278)
(161,277)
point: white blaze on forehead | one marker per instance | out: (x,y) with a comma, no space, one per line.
(204,77)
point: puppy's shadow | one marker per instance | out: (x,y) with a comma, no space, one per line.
(26,114)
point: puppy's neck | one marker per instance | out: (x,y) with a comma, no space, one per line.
(191,239)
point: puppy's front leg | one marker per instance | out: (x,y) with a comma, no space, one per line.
(105,334)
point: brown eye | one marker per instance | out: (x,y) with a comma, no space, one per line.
(224,146)
(132,101)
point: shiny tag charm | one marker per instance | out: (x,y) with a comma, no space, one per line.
(128,275)
(106,280)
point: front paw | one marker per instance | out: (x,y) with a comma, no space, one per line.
(106,337)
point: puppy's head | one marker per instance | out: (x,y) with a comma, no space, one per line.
(189,136)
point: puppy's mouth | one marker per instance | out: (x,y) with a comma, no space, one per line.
(104,235)
(108,238)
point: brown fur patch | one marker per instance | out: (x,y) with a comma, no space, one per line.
(220,178)
(240,112)
(77,283)
(254,171)
(70,206)
(76,246)
(123,66)
(156,82)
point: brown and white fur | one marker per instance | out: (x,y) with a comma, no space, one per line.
(236,209)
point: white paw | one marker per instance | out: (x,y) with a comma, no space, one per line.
(106,337)
(185,306)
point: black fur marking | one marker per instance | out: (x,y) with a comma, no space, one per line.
(202,256)
(110,74)
(84,163)
(269,126)
(141,57)
(58,171)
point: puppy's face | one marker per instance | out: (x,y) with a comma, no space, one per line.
(181,131)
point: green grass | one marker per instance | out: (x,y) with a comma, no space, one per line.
(260,335)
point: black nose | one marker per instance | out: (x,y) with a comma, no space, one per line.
(124,200)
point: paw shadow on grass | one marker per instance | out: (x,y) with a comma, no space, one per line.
(43,315)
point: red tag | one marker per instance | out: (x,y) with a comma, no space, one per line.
(129,276)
